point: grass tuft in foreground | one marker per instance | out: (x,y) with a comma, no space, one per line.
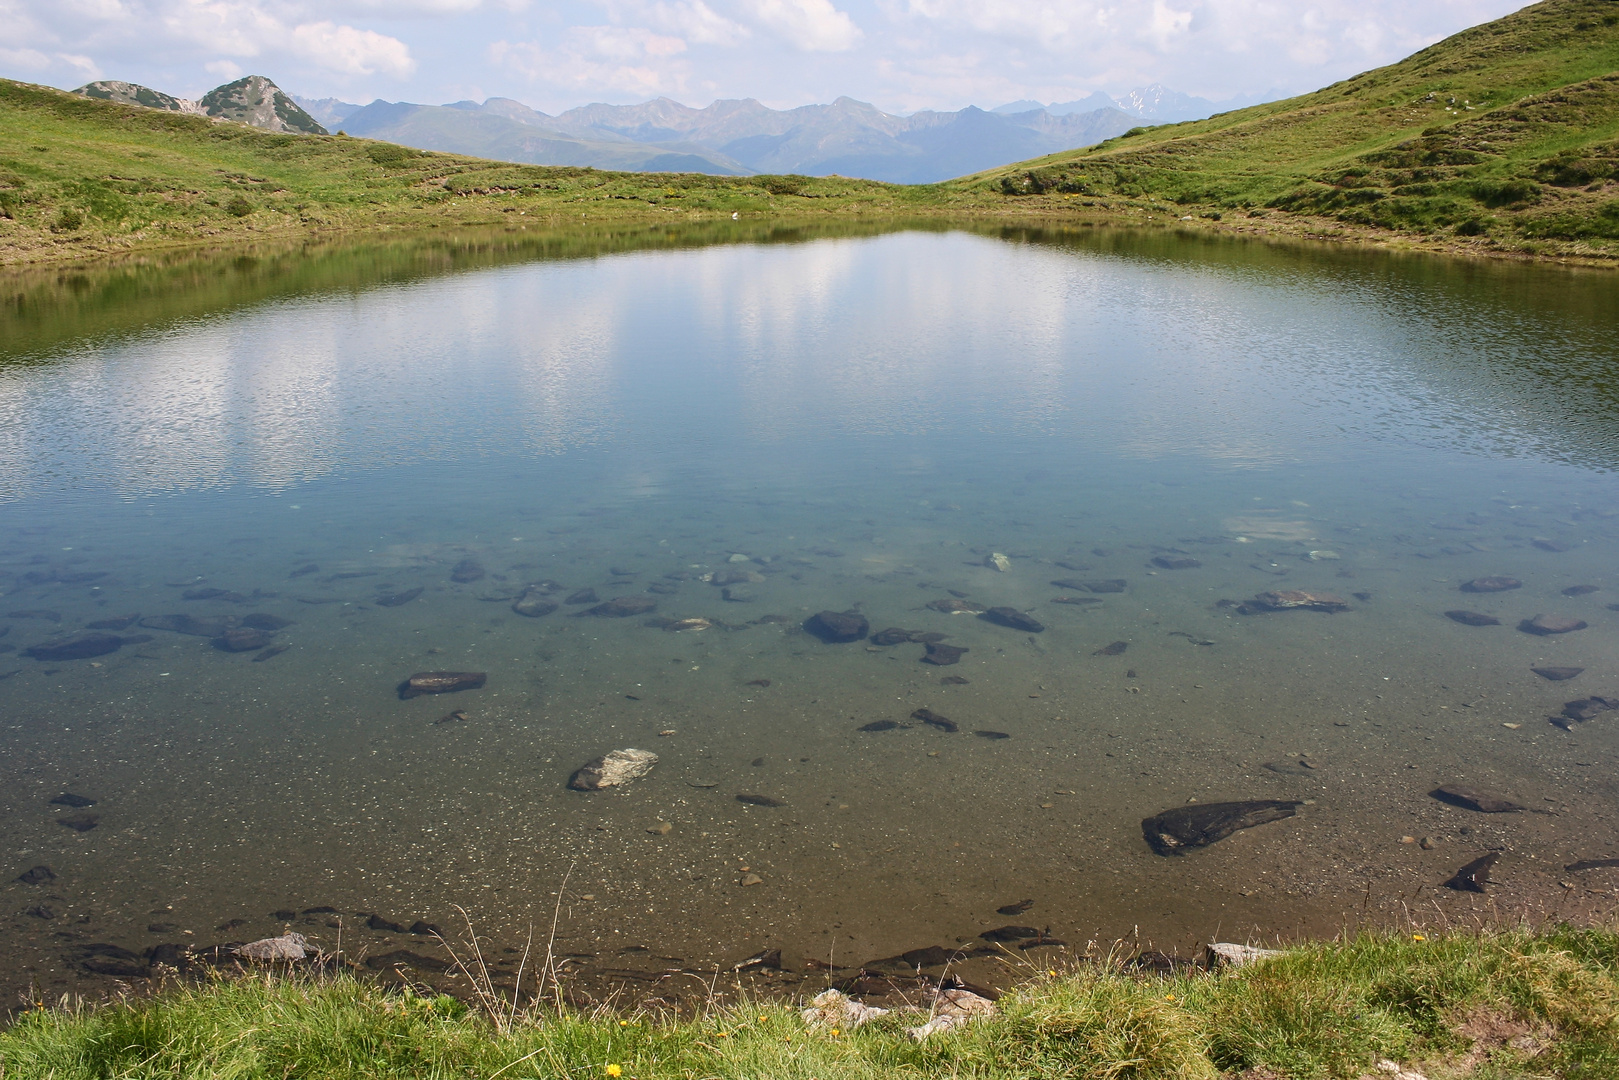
(1492,1005)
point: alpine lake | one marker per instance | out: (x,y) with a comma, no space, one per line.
(954,578)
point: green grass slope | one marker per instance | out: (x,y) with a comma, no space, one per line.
(1507,130)
(82,176)
(1489,1007)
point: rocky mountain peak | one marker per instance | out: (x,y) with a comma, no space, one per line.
(260,103)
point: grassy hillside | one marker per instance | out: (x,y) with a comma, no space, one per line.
(1507,132)
(1492,1007)
(83,176)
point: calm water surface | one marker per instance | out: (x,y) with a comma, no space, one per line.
(832,424)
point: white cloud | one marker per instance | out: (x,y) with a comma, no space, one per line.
(351,51)
(629,60)
(24,59)
(811,25)
(223,69)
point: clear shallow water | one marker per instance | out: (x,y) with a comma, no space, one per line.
(852,422)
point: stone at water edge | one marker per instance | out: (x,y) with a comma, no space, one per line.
(832,1009)
(288,946)
(1229,954)
(953,1009)
(612,769)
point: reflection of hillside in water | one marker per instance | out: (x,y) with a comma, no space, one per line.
(1143,346)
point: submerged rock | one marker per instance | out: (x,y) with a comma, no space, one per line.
(933,719)
(1557,674)
(242,639)
(467,571)
(953,606)
(78,802)
(879,725)
(1201,824)
(1475,875)
(1114,648)
(1078,601)
(612,769)
(993,736)
(1291,599)
(440,682)
(758,800)
(533,602)
(997,561)
(1491,584)
(583,596)
(399,599)
(1546,625)
(1112,585)
(1583,709)
(1013,618)
(1484,802)
(79,822)
(622,606)
(39,875)
(892,636)
(76,648)
(259,620)
(42,614)
(1580,590)
(208,626)
(1015,909)
(118,622)
(837,627)
(1175,562)
(270,653)
(1472,618)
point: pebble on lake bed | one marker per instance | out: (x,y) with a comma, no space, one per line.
(1014,619)
(440,682)
(837,627)
(1546,625)
(1472,618)
(612,769)
(1293,599)
(1491,584)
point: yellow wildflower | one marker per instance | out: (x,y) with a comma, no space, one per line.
(615,1070)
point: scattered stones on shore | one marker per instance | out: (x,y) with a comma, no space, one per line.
(758,800)
(837,627)
(81,647)
(831,1009)
(952,1009)
(1196,825)
(534,602)
(1468,798)
(1557,674)
(952,606)
(441,682)
(944,656)
(1111,649)
(933,719)
(38,875)
(467,571)
(1472,618)
(1293,600)
(622,607)
(1475,875)
(1229,954)
(1583,864)
(1580,590)
(1175,562)
(582,596)
(1546,625)
(398,599)
(1491,584)
(1014,619)
(613,769)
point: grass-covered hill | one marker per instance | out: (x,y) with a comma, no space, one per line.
(84,176)
(1509,130)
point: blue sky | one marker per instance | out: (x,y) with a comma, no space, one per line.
(901,55)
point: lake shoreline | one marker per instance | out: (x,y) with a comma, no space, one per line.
(1403,1004)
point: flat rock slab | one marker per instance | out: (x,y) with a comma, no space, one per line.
(621,606)
(837,627)
(1469,798)
(198,626)
(1175,562)
(1472,618)
(942,655)
(1293,599)
(441,682)
(1491,584)
(1546,625)
(1014,619)
(1557,674)
(1201,824)
(612,769)
(76,648)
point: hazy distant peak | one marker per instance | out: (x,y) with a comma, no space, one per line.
(260,103)
(331,112)
(1012,108)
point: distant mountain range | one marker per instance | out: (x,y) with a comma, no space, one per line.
(728,138)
